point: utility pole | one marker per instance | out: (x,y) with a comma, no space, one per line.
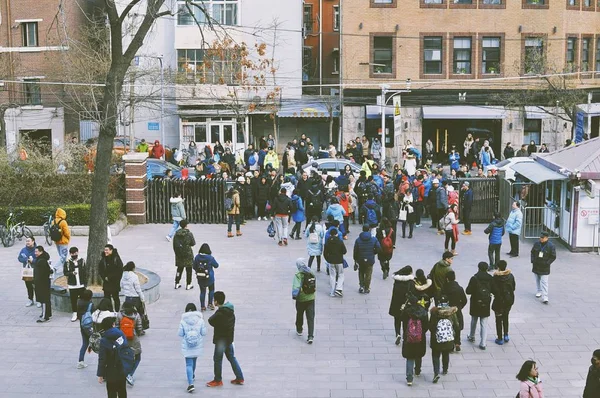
(589,117)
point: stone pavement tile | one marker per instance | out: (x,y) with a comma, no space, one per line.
(347,393)
(313,393)
(482,392)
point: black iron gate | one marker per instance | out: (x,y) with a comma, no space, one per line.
(204,200)
(485,197)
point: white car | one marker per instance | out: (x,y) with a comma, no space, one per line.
(506,164)
(332,166)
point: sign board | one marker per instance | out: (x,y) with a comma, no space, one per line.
(589,186)
(136,61)
(585,213)
(153,126)
(397,116)
(579,127)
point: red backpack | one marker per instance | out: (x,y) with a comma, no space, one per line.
(127,326)
(415,331)
(387,245)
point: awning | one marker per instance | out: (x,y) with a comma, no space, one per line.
(374,111)
(594,109)
(536,172)
(463,112)
(534,112)
(308,109)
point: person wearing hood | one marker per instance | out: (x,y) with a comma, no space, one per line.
(76,272)
(177,213)
(183,243)
(281,208)
(27,257)
(42,272)
(367,166)
(414,346)
(371,214)
(314,241)
(479,288)
(403,289)
(423,289)
(129,316)
(337,211)
(305,300)
(131,289)
(495,230)
(62,245)
(272,159)
(223,321)
(192,330)
(376,150)
(110,368)
(513,227)
(456,298)
(334,256)
(439,271)
(592,383)
(157,151)
(503,289)
(204,265)
(365,248)
(110,269)
(442,324)
(297,216)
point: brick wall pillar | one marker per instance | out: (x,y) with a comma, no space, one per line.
(135,187)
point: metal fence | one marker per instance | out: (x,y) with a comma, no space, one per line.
(485,197)
(204,200)
(538,219)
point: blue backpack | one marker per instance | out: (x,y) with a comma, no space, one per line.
(123,355)
(371,218)
(251,160)
(271,230)
(87,323)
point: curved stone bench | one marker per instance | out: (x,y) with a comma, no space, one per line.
(61,300)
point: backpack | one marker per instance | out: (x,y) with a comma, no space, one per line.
(483,294)
(309,283)
(313,237)
(294,205)
(228,204)
(251,160)
(192,338)
(371,217)
(55,232)
(87,324)
(387,245)
(127,326)
(315,201)
(178,245)
(202,273)
(444,331)
(361,190)
(124,356)
(506,294)
(414,332)
(271,230)
(95,338)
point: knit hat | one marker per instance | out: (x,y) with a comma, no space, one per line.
(466,183)
(435,181)
(240,179)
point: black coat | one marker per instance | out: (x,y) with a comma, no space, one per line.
(303,187)
(41,277)
(70,266)
(403,284)
(541,265)
(381,256)
(111,271)
(223,320)
(592,383)
(262,192)
(334,250)
(424,293)
(415,350)
(456,298)
(281,204)
(475,309)
(503,289)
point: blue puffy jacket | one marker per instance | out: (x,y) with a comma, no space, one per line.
(496,231)
(514,222)
(365,248)
(25,253)
(441,199)
(298,215)
(337,211)
(211,263)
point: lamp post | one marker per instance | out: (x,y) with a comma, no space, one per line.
(385,88)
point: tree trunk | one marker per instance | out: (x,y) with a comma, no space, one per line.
(2,128)
(331,131)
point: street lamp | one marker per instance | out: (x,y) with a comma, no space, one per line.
(385,88)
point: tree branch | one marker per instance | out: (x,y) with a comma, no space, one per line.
(132,4)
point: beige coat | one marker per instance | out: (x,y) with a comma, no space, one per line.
(236,203)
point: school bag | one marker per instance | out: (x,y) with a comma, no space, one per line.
(95,338)
(313,237)
(482,294)
(87,324)
(202,273)
(127,326)
(387,245)
(506,294)
(309,283)
(371,218)
(123,356)
(251,160)
(444,331)
(271,230)
(415,331)
(55,232)
(228,204)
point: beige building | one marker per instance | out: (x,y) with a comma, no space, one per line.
(470,63)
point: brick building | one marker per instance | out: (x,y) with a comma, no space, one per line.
(463,56)
(34,37)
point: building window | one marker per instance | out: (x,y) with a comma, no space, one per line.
(382,54)
(598,54)
(572,3)
(571,56)
(222,67)
(586,43)
(307,19)
(336,18)
(532,131)
(462,55)
(223,12)
(307,61)
(587,3)
(433,1)
(463,1)
(32,90)
(490,55)
(492,2)
(382,1)
(536,2)
(543,4)
(432,55)
(335,65)
(29,31)
(534,55)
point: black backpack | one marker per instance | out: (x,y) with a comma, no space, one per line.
(506,293)
(315,199)
(483,294)
(202,272)
(178,245)
(294,205)
(55,232)
(309,283)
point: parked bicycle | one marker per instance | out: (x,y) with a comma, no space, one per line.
(14,230)
(49,220)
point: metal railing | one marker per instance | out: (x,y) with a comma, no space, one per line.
(485,197)
(537,219)
(203,200)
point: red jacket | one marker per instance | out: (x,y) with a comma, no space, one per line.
(158,150)
(343,202)
(421,189)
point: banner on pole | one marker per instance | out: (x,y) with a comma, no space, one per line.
(397,116)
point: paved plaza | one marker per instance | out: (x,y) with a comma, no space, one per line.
(353,354)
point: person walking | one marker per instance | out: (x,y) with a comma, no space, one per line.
(111,271)
(314,242)
(531,385)
(304,287)
(76,272)
(513,227)
(42,272)
(438,273)
(432,204)
(456,298)
(371,214)
(442,324)
(415,317)
(233,214)
(297,214)
(183,243)
(543,254)
(423,289)
(262,197)
(204,266)
(192,330)
(480,288)
(110,368)
(402,291)
(592,382)
(334,256)
(495,230)
(61,234)
(467,206)
(503,289)
(223,321)
(365,248)
(441,204)
(177,213)
(418,195)
(27,257)
(385,236)
(449,221)
(130,323)
(337,212)
(84,305)
(281,208)
(131,289)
